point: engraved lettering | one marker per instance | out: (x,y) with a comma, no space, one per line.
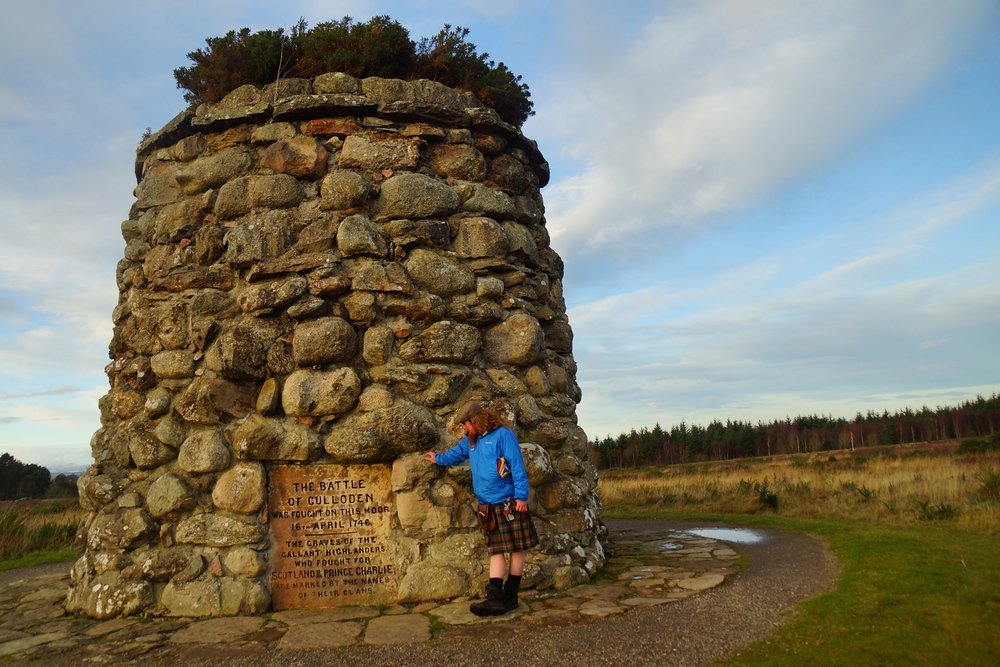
(330,525)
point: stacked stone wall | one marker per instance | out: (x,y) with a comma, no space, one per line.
(320,272)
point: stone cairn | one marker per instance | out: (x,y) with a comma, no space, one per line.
(319,272)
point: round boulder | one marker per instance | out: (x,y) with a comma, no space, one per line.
(382,434)
(241,489)
(168,495)
(343,189)
(204,451)
(442,341)
(324,341)
(429,581)
(518,340)
(536,463)
(481,237)
(358,236)
(439,274)
(301,157)
(416,196)
(319,393)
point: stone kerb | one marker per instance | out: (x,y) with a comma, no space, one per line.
(316,274)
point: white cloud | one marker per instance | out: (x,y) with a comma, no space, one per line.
(971,194)
(13,106)
(54,429)
(62,241)
(713,106)
(875,321)
(789,351)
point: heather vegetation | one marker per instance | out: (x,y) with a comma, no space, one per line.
(805,434)
(379,47)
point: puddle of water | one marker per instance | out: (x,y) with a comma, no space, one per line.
(671,546)
(738,535)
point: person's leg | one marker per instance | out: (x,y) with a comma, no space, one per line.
(498,566)
(513,583)
(516,563)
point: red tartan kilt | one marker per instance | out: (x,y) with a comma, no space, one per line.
(512,536)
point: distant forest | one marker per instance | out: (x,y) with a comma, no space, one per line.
(29,480)
(737,439)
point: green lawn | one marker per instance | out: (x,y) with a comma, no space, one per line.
(66,555)
(906,596)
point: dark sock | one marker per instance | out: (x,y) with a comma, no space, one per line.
(497,581)
(510,590)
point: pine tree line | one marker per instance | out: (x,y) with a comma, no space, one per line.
(813,433)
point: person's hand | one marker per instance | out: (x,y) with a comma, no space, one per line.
(430,457)
(520,506)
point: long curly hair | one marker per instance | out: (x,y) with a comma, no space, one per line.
(490,416)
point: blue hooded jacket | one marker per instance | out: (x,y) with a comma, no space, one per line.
(487,484)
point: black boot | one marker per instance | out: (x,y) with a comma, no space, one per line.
(493,605)
(510,589)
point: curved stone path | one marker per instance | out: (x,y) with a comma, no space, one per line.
(659,576)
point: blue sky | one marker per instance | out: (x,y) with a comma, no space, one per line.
(765,208)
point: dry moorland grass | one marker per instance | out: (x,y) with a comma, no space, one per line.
(901,489)
(32,526)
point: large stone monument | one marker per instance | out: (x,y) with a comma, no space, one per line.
(316,274)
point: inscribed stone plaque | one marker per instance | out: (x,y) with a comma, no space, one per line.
(330,525)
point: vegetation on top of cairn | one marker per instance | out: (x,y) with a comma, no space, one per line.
(379,47)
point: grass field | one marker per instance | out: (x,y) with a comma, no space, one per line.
(34,532)
(899,486)
(917,537)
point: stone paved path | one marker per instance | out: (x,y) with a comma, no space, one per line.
(646,568)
